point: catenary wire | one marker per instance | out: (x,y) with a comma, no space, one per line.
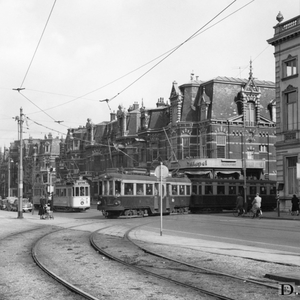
(198,32)
(38,44)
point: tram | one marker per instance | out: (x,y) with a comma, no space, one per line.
(136,193)
(213,195)
(67,196)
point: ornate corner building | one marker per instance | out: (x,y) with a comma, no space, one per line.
(286,42)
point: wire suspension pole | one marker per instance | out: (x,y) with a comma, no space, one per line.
(20,189)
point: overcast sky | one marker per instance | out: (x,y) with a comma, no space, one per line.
(88,47)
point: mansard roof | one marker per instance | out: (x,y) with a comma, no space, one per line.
(240,81)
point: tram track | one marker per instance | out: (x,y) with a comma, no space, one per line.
(141,259)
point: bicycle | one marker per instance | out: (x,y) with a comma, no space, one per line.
(239,212)
(256,213)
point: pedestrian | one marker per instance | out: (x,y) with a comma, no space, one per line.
(41,207)
(256,206)
(240,204)
(295,205)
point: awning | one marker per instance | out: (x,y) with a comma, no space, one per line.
(197,172)
(228,172)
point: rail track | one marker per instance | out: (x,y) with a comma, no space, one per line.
(205,281)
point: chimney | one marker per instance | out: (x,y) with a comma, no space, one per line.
(112,116)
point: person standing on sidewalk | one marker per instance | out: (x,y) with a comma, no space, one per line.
(295,205)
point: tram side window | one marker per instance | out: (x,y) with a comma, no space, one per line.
(139,189)
(232,190)
(221,189)
(188,190)
(241,190)
(117,187)
(194,189)
(174,189)
(128,188)
(263,190)
(181,190)
(252,190)
(63,192)
(149,189)
(208,190)
(273,190)
(86,191)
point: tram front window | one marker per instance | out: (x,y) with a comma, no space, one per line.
(149,189)
(139,189)
(128,188)
(181,189)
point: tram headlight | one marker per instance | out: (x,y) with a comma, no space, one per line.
(99,202)
(117,202)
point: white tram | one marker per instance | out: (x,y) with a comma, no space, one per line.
(74,196)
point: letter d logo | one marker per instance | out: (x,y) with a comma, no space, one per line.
(286,289)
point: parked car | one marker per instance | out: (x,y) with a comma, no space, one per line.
(12,203)
(27,205)
(3,204)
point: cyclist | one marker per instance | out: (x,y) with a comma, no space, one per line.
(256,205)
(240,204)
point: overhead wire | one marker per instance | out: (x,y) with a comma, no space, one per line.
(38,43)
(200,31)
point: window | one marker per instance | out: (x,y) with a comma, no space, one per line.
(250,154)
(128,188)
(194,189)
(208,190)
(149,189)
(185,147)
(252,190)
(232,190)
(181,190)
(291,178)
(188,190)
(290,67)
(221,189)
(174,190)
(263,148)
(250,114)
(291,110)
(221,142)
(140,189)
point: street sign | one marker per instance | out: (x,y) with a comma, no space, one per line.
(161,171)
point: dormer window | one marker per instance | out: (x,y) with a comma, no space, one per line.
(250,114)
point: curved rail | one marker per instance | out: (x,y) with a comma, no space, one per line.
(196,267)
(65,283)
(143,271)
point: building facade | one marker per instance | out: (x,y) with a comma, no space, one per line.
(286,42)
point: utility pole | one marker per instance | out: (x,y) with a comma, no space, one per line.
(20,188)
